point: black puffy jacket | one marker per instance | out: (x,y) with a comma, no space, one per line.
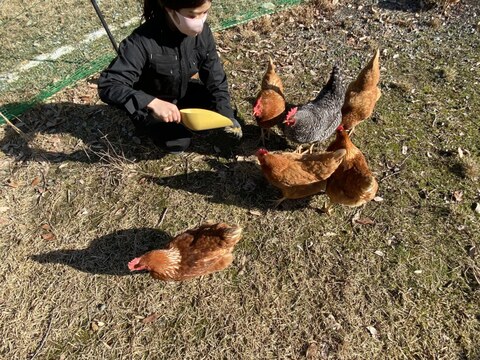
(157,61)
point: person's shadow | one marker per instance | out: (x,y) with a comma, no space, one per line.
(109,254)
(67,131)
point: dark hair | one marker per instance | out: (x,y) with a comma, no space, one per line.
(152,8)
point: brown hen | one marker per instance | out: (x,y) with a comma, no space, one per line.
(195,252)
(352,183)
(269,106)
(362,94)
(298,175)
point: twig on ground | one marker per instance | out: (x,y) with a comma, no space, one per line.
(395,172)
(44,339)
(162,217)
(16,129)
(186,169)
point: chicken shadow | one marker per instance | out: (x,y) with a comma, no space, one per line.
(241,184)
(109,254)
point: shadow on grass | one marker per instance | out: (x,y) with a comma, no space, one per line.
(403,5)
(109,254)
(97,129)
(236,183)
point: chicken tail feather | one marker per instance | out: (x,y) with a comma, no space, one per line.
(233,234)
(271,65)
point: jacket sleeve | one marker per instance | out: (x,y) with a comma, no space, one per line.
(115,85)
(212,74)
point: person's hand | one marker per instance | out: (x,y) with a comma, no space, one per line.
(235,129)
(165,111)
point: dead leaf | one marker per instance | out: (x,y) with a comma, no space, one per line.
(355,217)
(458,195)
(150,318)
(48,236)
(372,331)
(255,212)
(404,150)
(312,351)
(460,152)
(242,263)
(93,326)
(329,234)
(46,227)
(35,181)
(119,211)
(379,253)
(3,221)
(198,158)
(365,221)
(12,183)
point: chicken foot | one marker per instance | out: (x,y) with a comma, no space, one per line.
(277,202)
(327,208)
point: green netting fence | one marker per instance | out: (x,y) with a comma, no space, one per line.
(48,45)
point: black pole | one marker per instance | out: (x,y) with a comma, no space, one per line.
(105,26)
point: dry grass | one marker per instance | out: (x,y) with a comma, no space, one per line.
(81,196)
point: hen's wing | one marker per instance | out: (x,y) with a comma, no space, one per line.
(321,165)
(288,171)
(207,238)
(202,247)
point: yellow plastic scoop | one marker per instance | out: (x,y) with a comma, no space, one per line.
(201,119)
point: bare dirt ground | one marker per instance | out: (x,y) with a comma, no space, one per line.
(399,278)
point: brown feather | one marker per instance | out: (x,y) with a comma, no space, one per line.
(195,252)
(352,184)
(270,102)
(299,175)
(362,94)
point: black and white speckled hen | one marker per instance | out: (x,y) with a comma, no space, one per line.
(318,119)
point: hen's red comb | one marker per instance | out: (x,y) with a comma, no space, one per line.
(340,128)
(262,151)
(292,112)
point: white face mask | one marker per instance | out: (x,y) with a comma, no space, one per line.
(188,26)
